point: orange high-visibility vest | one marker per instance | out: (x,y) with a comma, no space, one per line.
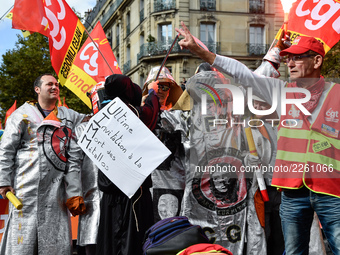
(310,154)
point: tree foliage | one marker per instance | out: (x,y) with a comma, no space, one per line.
(331,65)
(19,69)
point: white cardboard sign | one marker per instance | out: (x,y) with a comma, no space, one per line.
(122,147)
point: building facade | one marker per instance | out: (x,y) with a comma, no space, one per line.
(142,31)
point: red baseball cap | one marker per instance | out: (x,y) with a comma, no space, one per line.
(302,44)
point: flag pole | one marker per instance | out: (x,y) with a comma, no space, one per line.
(98,49)
(166,56)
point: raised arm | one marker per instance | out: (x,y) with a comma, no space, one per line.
(262,86)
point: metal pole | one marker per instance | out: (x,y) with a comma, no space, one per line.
(99,50)
(166,56)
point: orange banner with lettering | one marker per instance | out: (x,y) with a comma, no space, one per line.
(89,67)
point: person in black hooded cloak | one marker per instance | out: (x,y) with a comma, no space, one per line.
(124,221)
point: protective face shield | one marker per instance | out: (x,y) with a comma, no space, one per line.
(165,81)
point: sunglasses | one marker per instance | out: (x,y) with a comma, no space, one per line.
(297,58)
(163,87)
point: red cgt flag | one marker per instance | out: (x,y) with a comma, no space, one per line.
(56,20)
(11,110)
(89,67)
(320,19)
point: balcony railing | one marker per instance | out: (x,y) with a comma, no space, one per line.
(141,15)
(164,5)
(256,6)
(213,47)
(208,5)
(257,49)
(127,66)
(154,49)
(160,48)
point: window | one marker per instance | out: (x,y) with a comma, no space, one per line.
(128,23)
(141,12)
(117,34)
(128,53)
(141,39)
(256,6)
(165,34)
(207,36)
(256,40)
(163,5)
(207,32)
(256,34)
(170,69)
(127,65)
(141,80)
(207,5)
(118,60)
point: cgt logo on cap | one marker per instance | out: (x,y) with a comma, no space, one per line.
(296,41)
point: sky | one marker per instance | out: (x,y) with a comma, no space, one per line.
(8,36)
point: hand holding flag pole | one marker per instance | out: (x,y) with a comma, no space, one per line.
(286,5)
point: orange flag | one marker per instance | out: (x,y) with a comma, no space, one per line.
(59,102)
(57,21)
(11,110)
(64,104)
(89,67)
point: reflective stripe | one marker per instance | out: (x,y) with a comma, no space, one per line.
(294,133)
(321,137)
(291,156)
(311,157)
(323,160)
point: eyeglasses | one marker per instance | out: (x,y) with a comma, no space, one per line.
(163,87)
(297,58)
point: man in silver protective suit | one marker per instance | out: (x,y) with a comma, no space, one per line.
(34,164)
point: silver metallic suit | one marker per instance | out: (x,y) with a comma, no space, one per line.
(34,161)
(89,222)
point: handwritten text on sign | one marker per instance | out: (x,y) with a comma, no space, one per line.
(122,147)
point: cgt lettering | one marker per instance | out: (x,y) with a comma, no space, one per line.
(317,21)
